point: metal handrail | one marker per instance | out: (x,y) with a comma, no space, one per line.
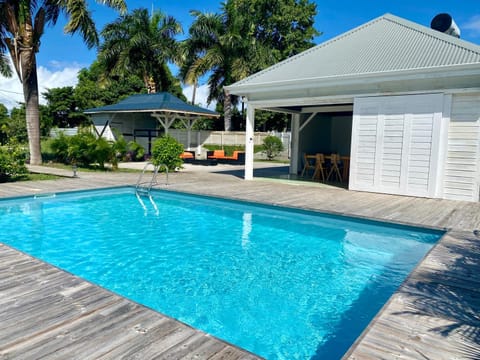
(153,180)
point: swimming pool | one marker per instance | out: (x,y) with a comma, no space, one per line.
(282,283)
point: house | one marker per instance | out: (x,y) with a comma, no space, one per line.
(143,117)
(401,99)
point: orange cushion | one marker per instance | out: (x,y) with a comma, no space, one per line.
(186,155)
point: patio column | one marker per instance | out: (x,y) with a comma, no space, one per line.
(294,144)
(250,125)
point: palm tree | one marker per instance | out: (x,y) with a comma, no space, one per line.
(221,45)
(139,44)
(246,37)
(22,23)
(186,57)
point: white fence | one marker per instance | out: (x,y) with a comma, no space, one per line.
(222,138)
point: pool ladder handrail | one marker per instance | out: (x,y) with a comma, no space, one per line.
(146,190)
(139,188)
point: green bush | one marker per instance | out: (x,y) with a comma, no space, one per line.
(136,152)
(48,154)
(85,149)
(12,161)
(59,148)
(272,146)
(118,151)
(166,151)
(82,148)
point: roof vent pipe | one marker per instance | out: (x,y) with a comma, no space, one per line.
(444,23)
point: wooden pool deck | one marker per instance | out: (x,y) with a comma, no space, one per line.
(48,313)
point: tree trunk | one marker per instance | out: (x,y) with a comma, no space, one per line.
(194,92)
(150,84)
(227,111)
(30,92)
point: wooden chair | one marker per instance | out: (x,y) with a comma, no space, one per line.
(319,167)
(334,167)
(308,164)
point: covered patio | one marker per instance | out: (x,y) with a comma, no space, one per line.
(397,99)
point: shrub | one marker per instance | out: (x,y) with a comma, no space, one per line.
(59,148)
(12,161)
(272,146)
(82,148)
(85,149)
(118,151)
(166,151)
(136,152)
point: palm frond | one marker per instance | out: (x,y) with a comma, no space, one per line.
(39,25)
(80,19)
(5,68)
(119,5)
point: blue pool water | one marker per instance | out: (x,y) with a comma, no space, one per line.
(285,284)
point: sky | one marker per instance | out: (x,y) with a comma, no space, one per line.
(61,56)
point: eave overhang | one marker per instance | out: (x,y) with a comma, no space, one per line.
(435,78)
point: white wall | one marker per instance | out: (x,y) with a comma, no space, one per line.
(396,144)
(462,174)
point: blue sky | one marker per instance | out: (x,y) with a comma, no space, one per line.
(61,56)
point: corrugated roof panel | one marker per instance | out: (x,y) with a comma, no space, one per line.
(386,44)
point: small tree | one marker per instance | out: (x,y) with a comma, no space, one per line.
(12,161)
(166,153)
(272,146)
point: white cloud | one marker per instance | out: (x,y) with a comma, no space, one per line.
(200,96)
(11,91)
(473,25)
(60,75)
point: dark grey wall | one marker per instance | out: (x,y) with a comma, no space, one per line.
(326,133)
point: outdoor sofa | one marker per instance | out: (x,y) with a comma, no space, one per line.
(238,157)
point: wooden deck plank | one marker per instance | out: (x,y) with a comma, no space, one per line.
(434,314)
(52,342)
(60,316)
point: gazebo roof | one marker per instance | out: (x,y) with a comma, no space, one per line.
(162,102)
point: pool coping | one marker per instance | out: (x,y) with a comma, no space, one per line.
(434,282)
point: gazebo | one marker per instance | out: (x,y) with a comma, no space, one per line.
(138,116)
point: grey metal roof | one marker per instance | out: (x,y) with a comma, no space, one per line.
(158,102)
(385,44)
